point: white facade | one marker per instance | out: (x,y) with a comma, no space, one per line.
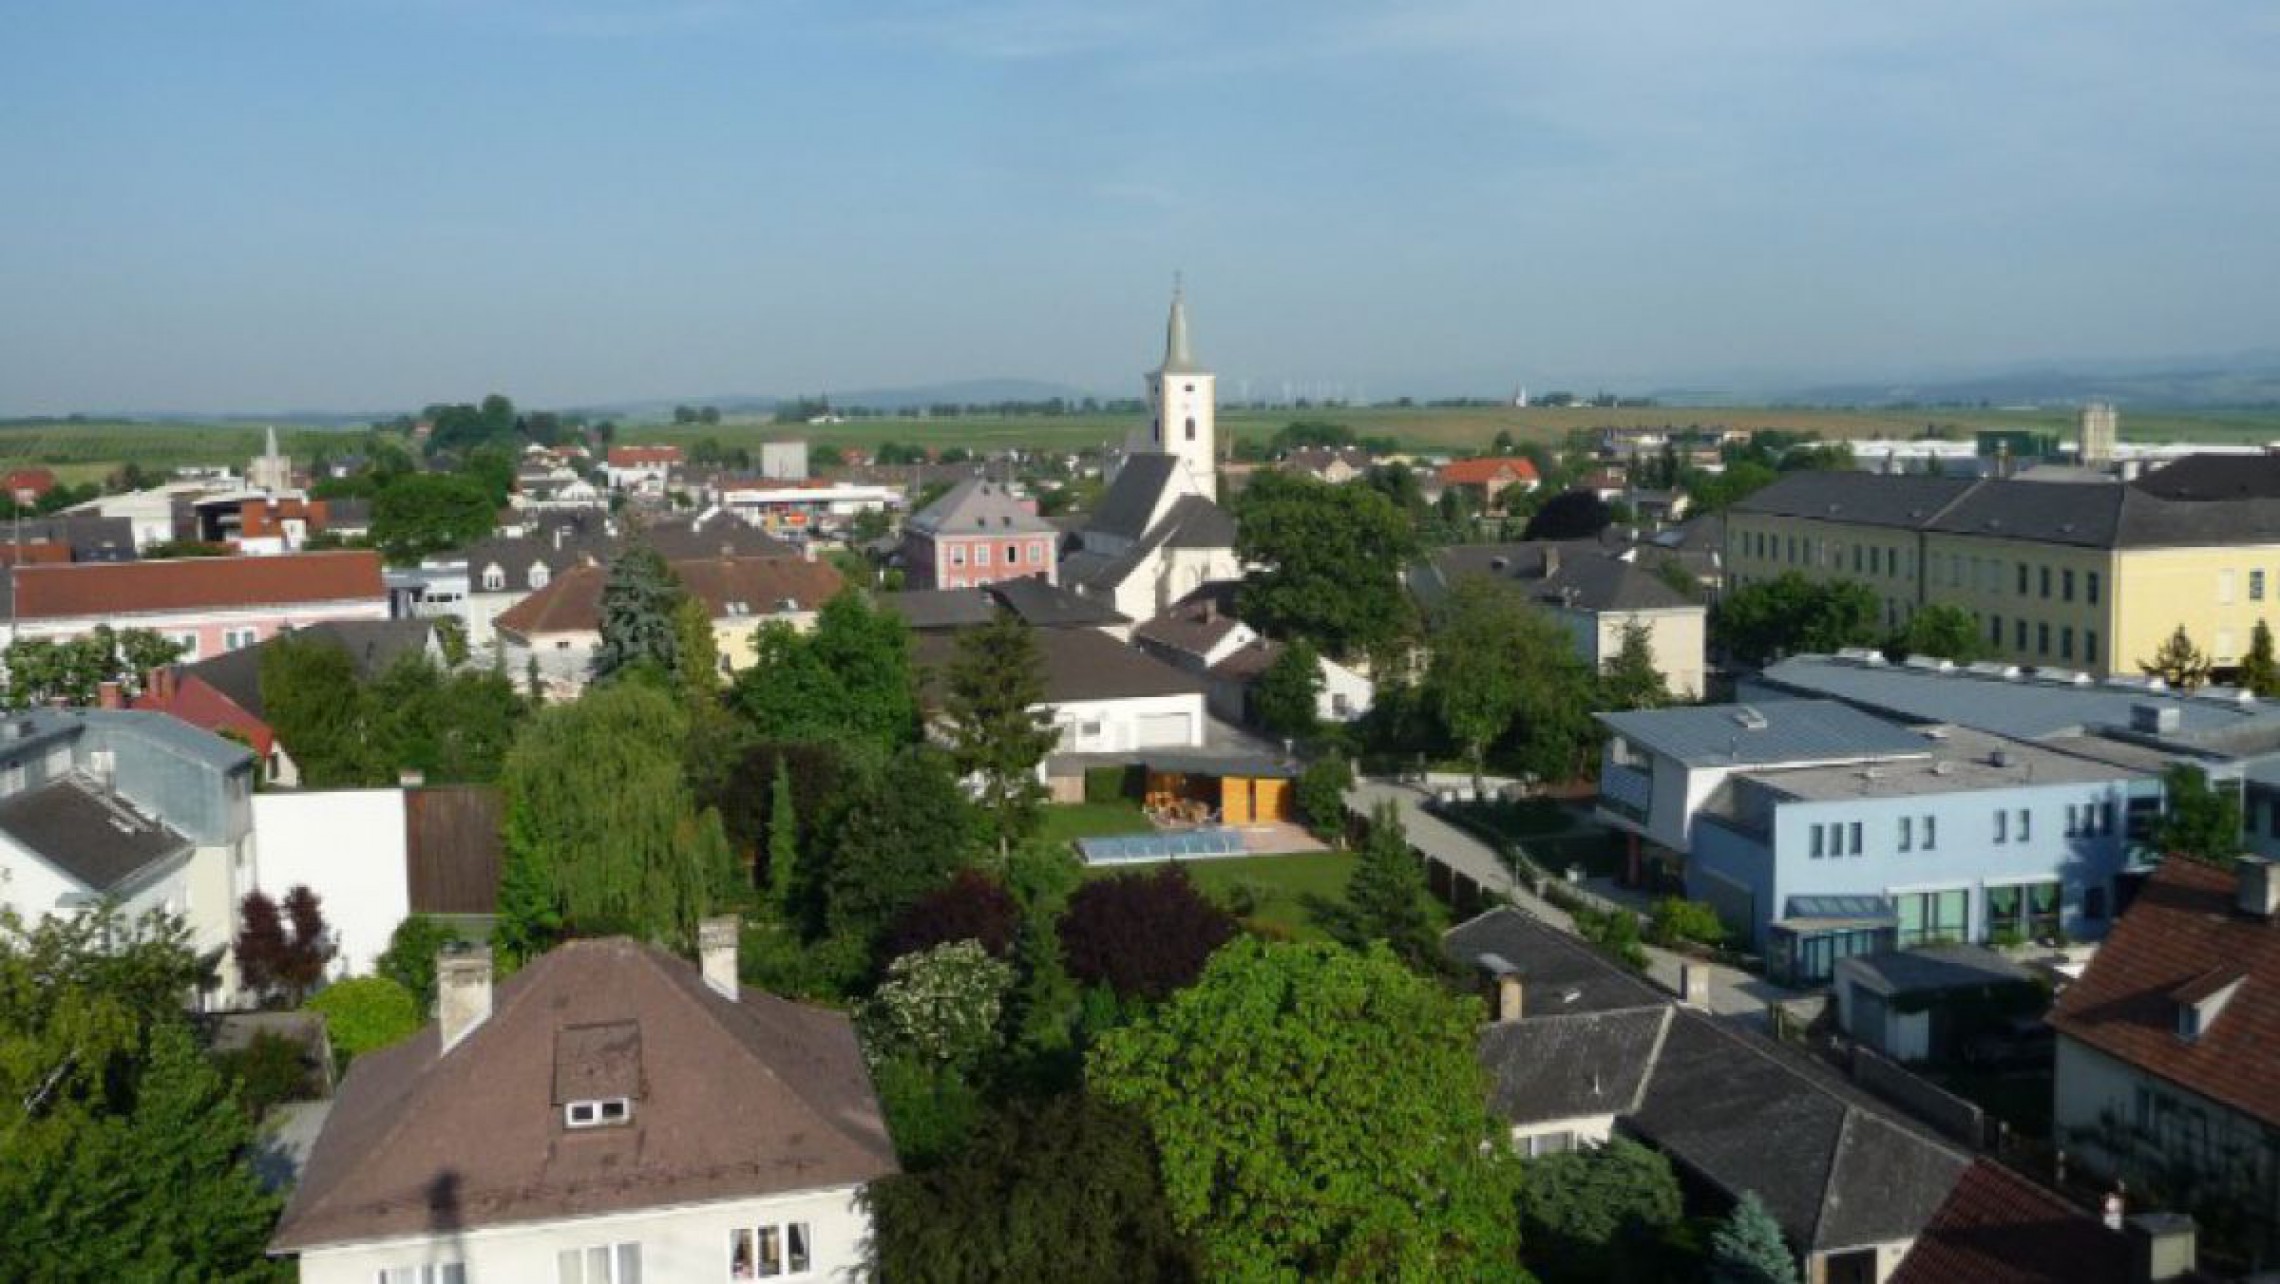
(1677,638)
(349,847)
(689,1244)
(1134,722)
(1183,414)
(784,460)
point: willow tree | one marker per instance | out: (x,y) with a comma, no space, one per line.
(603,833)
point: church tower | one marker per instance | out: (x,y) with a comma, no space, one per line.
(1182,407)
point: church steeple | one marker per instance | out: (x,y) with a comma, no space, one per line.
(1178,357)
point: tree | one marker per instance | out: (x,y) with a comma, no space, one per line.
(639,599)
(972,906)
(280,963)
(848,681)
(366,1013)
(696,655)
(422,513)
(1574,514)
(2200,822)
(2184,666)
(1473,682)
(1142,935)
(311,698)
(995,692)
(602,834)
(1289,692)
(2259,670)
(1630,679)
(1591,1215)
(1387,898)
(1064,1189)
(905,829)
(1330,561)
(1319,1113)
(1941,630)
(126,1156)
(783,843)
(939,1007)
(1321,796)
(1748,1249)
(409,960)
(1791,615)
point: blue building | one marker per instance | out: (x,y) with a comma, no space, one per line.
(1819,831)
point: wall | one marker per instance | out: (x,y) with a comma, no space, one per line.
(347,846)
(684,1245)
(208,628)
(1676,639)
(2160,589)
(1119,721)
(1986,583)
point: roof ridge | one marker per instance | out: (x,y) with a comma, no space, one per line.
(1654,1058)
(1829,1184)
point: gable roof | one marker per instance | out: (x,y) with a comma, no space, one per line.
(2199,477)
(643,456)
(730,587)
(1772,731)
(1130,503)
(2133,516)
(1487,469)
(1078,664)
(100,841)
(1050,606)
(2184,927)
(1997,1227)
(1576,574)
(758,1096)
(1861,499)
(81,589)
(1196,623)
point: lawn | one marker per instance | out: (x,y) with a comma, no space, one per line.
(1067,822)
(1269,891)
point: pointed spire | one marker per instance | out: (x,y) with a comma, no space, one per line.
(1178,358)
(272,442)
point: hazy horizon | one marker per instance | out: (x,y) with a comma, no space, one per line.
(363,204)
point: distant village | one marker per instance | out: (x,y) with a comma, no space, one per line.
(1646,855)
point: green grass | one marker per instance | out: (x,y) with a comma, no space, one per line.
(1067,822)
(1277,885)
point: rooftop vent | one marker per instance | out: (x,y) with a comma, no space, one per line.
(1750,718)
(2063,677)
(1929,664)
(2225,695)
(1999,758)
(1861,655)
(1993,669)
(2156,719)
(2138,682)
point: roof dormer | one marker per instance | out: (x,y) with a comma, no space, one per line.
(2201,1000)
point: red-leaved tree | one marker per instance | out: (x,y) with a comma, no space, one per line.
(972,906)
(281,956)
(1146,935)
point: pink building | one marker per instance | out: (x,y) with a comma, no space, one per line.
(978,533)
(209,604)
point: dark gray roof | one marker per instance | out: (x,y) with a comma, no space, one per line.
(1079,664)
(1561,973)
(1049,606)
(1867,499)
(1196,522)
(2021,708)
(2197,477)
(940,608)
(1579,574)
(713,535)
(1568,1064)
(96,839)
(372,645)
(1131,499)
(978,505)
(1771,731)
(92,538)
(1932,968)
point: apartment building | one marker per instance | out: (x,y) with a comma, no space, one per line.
(2077,575)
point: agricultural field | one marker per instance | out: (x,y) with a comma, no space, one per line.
(82,451)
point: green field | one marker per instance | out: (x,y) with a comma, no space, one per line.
(1277,887)
(1067,822)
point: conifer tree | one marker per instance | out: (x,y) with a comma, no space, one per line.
(1747,1247)
(783,843)
(1386,896)
(997,733)
(638,602)
(2179,663)
(1630,680)
(2259,670)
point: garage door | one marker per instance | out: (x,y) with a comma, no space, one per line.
(1159,730)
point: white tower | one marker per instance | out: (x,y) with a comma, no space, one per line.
(1182,407)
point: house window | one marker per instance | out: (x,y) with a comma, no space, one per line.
(2089,646)
(981,555)
(238,639)
(2256,586)
(2022,579)
(2066,585)
(2042,639)
(2018,635)
(1549,1143)
(599,1264)
(957,554)
(1036,554)
(2002,826)
(2023,911)
(2026,824)
(2066,642)
(187,643)
(1994,630)
(539,576)
(1907,833)
(1929,918)
(1820,842)
(770,1252)
(438,1273)
(1856,848)
(1931,832)
(2090,587)
(1191,428)
(2045,582)
(494,580)
(1340,706)
(1013,555)
(596,1114)
(2225,587)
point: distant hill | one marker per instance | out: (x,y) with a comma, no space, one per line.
(965,392)
(2247,379)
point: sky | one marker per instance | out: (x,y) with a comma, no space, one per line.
(375,204)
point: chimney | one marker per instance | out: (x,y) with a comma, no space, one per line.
(463,992)
(716,953)
(1694,985)
(2257,892)
(411,778)
(1210,610)
(1551,562)
(1510,988)
(109,696)
(160,683)
(2162,1247)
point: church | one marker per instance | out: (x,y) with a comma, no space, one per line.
(1159,533)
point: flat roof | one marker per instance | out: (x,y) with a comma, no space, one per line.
(1961,761)
(1775,731)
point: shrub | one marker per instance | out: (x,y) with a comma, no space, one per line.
(1321,796)
(1105,784)
(270,1070)
(940,1007)
(1144,935)
(1615,931)
(970,907)
(365,1013)
(410,959)
(930,1113)
(1677,919)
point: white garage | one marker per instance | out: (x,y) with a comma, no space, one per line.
(1165,731)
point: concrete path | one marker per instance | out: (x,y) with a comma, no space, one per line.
(1734,994)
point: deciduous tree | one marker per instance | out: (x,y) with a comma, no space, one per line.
(2200,821)
(905,828)
(1574,514)
(1791,615)
(417,514)
(1320,1114)
(1594,1214)
(365,1013)
(1330,560)
(1287,695)
(1142,935)
(1941,630)
(311,698)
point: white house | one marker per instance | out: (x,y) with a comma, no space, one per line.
(1104,696)
(1201,635)
(611,1114)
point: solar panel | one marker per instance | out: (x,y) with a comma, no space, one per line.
(1125,849)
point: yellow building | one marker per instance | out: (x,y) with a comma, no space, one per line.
(2071,575)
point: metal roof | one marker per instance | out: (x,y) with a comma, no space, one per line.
(1773,732)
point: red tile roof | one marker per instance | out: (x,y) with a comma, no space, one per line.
(1489,470)
(83,589)
(2183,928)
(190,699)
(572,601)
(643,456)
(34,482)
(1999,1228)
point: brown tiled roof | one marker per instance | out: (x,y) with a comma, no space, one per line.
(736,1100)
(2182,928)
(728,586)
(1194,625)
(1999,1228)
(196,583)
(636,456)
(1480,472)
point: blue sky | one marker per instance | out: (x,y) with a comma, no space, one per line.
(376,203)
